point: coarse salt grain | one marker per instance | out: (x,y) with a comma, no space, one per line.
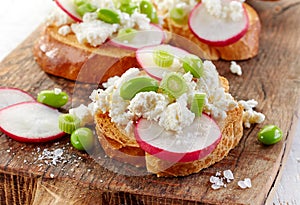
(246,183)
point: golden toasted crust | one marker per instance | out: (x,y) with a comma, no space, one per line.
(245,48)
(63,56)
(116,144)
(121,147)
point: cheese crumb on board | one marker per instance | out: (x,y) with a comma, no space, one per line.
(235,68)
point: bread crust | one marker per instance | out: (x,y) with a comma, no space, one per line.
(245,48)
(63,56)
(121,147)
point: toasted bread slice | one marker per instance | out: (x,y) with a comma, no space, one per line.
(119,146)
(245,48)
(63,56)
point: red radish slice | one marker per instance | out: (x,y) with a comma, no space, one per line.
(30,122)
(153,36)
(69,8)
(216,31)
(144,57)
(10,96)
(194,143)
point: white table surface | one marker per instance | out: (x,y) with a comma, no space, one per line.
(18,18)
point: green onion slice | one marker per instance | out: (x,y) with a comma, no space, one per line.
(193,64)
(179,15)
(109,16)
(163,58)
(198,103)
(174,84)
(68,123)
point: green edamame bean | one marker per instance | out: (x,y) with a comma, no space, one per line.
(85,8)
(82,138)
(135,85)
(53,99)
(269,134)
(109,16)
(179,15)
(147,8)
(128,8)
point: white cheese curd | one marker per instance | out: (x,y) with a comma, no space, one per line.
(168,5)
(224,9)
(177,116)
(90,16)
(83,113)
(218,101)
(141,20)
(235,68)
(103,3)
(93,32)
(148,105)
(58,18)
(249,115)
(188,77)
(64,30)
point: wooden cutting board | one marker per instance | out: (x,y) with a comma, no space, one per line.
(30,175)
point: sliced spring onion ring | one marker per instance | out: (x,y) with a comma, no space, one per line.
(179,15)
(68,123)
(193,64)
(198,103)
(173,84)
(163,58)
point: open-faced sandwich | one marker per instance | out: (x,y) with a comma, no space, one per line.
(110,31)
(174,114)
(226,29)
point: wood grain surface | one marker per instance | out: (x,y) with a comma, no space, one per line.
(29,176)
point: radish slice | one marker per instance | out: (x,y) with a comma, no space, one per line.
(194,143)
(10,96)
(216,31)
(30,122)
(69,8)
(145,59)
(153,36)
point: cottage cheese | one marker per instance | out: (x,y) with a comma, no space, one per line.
(172,116)
(58,18)
(83,113)
(148,105)
(168,5)
(224,9)
(249,115)
(218,102)
(64,30)
(235,68)
(177,116)
(93,32)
